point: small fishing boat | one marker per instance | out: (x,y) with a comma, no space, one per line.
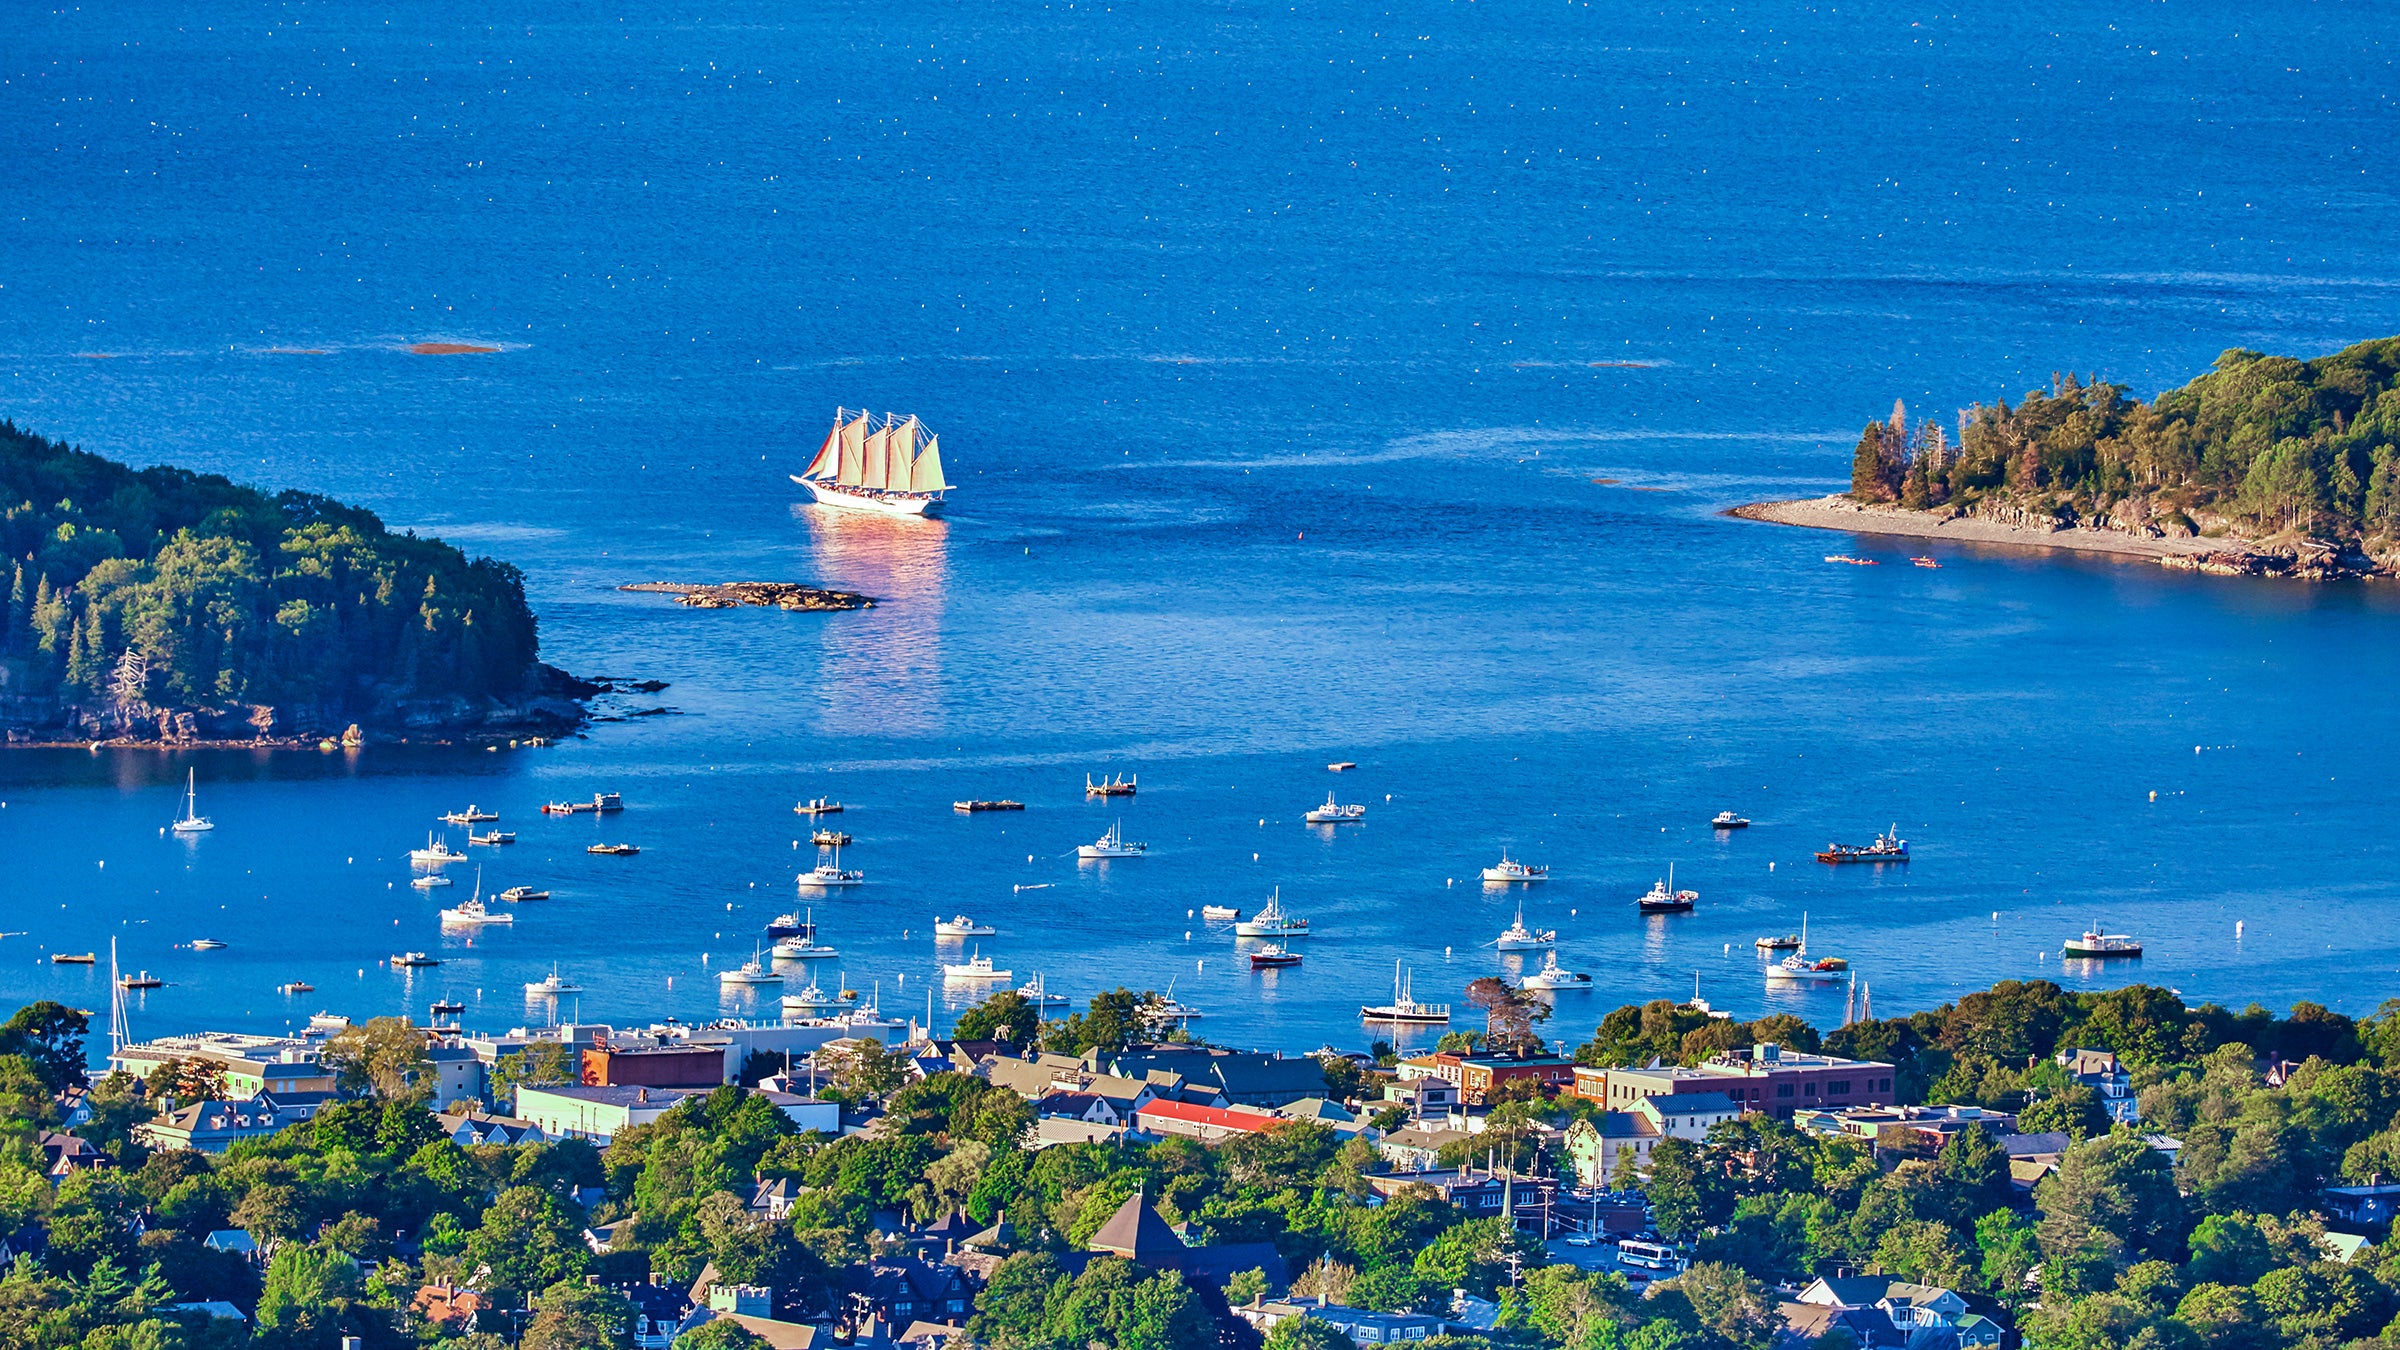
(1271,921)
(472,913)
(72,958)
(815,1001)
(191,821)
(140,980)
(1119,786)
(960,926)
(1341,766)
(562,808)
(825,838)
(1161,1010)
(206,945)
(605,802)
(430,880)
(1036,992)
(1509,869)
(1727,820)
(550,986)
(296,987)
(413,960)
(1518,938)
(1663,898)
(1554,976)
(1404,1010)
(1336,813)
(975,968)
(447,1007)
(1220,912)
(792,925)
(1785,943)
(753,971)
(615,850)
(974,804)
(1888,847)
(517,895)
(435,853)
(1273,956)
(831,873)
(1854,562)
(473,815)
(1800,968)
(818,806)
(492,837)
(801,948)
(1925,562)
(2095,945)
(1112,845)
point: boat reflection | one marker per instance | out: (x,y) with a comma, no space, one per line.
(883,667)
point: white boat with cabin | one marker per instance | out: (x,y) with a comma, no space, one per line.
(1112,845)
(1337,813)
(1554,976)
(815,1002)
(1509,869)
(1801,968)
(869,468)
(975,968)
(960,926)
(1037,992)
(831,873)
(551,985)
(1272,922)
(1518,938)
(802,948)
(1404,1010)
(1220,912)
(756,970)
(436,853)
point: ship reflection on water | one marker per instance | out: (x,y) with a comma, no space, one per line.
(883,667)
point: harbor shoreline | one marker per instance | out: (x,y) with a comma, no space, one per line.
(1838,512)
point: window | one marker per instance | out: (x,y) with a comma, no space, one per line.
(1783,1089)
(1839,1087)
(1812,1089)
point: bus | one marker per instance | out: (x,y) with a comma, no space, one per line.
(1639,1254)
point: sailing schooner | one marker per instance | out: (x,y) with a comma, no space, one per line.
(877,468)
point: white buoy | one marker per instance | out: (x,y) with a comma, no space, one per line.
(1187,914)
(162,831)
(1445,953)
(1201,964)
(1262,820)
(1254,857)
(1573,912)
(1187,934)
(1450,881)
(1770,867)
(729,906)
(1729,949)
(2154,794)
(2237,928)
(1029,857)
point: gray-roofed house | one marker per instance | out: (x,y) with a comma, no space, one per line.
(1879,1311)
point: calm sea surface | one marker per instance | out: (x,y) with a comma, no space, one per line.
(1281,354)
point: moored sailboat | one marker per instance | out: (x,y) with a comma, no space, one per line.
(872,468)
(1404,1009)
(191,821)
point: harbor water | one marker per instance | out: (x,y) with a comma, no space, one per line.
(1354,385)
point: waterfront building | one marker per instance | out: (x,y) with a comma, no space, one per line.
(251,1064)
(1766,1079)
(1476,1075)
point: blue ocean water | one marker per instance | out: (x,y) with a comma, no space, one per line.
(1278,352)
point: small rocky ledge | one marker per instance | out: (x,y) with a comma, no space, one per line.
(734,594)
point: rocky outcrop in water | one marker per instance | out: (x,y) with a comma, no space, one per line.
(735,594)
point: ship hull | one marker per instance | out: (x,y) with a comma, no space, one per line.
(1825,857)
(2075,953)
(828,494)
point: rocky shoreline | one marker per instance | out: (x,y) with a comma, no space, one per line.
(2305,560)
(764,594)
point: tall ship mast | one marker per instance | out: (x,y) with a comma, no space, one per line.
(872,467)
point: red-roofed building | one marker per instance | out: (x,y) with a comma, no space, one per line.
(1208,1124)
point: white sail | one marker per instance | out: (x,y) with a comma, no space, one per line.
(879,450)
(902,449)
(926,475)
(854,440)
(829,454)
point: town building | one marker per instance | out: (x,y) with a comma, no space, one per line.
(469,1129)
(1427,1098)
(1766,1078)
(2100,1071)
(1599,1147)
(1880,1311)
(210,1127)
(1910,1127)
(251,1064)
(596,1113)
(1475,1076)
(1363,1326)
(1208,1124)
(660,1066)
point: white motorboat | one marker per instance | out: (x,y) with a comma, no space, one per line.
(551,986)
(1112,845)
(473,815)
(492,837)
(960,926)
(1727,820)
(756,970)
(206,944)
(1336,813)
(471,913)
(430,880)
(1037,993)
(1272,922)
(1220,912)
(435,853)
(792,925)
(414,961)
(2095,945)
(1165,1009)
(1509,869)
(975,968)
(1518,938)
(815,1001)
(1554,976)
(517,895)
(802,948)
(831,873)
(191,821)
(1404,1010)
(1801,968)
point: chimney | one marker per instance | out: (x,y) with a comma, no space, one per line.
(641,1094)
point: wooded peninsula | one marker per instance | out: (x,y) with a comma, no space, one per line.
(2269,452)
(161,604)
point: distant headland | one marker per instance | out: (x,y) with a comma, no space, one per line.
(164,606)
(2266,465)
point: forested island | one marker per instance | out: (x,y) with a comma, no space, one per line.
(161,604)
(2262,450)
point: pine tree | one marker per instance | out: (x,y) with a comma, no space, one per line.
(83,663)
(16,636)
